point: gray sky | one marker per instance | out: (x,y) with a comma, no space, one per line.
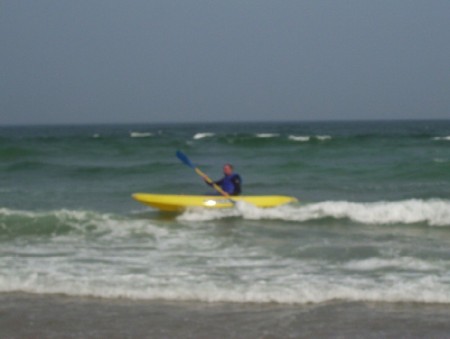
(85,61)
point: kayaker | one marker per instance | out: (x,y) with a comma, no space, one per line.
(231,182)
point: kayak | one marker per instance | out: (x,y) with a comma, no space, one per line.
(174,202)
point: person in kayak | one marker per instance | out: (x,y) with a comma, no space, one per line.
(231,182)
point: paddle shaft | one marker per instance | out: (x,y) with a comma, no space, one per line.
(212,183)
(183,157)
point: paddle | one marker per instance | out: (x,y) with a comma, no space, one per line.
(185,160)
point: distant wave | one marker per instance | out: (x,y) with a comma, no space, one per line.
(299,138)
(140,134)
(267,135)
(447,138)
(203,135)
(306,138)
(323,137)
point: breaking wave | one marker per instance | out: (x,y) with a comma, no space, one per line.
(306,138)
(267,135)
(433,212)
(447,138)
(140,134)
(204,135)
(83,253)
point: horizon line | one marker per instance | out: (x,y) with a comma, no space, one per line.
(209,122)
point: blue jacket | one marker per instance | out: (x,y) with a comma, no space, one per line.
(231,184)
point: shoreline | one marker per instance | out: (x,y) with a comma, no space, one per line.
(31,315)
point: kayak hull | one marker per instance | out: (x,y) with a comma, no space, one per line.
(177,203)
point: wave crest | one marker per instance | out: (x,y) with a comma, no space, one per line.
(140,134)
(447,138)
(17,223)
(199,136)
(433,212)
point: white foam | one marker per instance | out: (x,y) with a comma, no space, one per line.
(267,135)
(434,212)
(140,134)
(398,263)
(110,256)
(323,137)
(88,222)
(203,214)
(300,138)
(306,138)
(203,135)
(447,138)
(280,287)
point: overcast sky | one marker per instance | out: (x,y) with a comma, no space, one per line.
(91,61)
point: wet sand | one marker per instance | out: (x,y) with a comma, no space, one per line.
(41,316)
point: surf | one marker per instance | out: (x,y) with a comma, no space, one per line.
(431,212)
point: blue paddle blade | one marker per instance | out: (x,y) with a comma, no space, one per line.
(183,157)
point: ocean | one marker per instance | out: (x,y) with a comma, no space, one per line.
(367,243)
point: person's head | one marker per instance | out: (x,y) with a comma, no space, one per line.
(227,169)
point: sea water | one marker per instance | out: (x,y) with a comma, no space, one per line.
(372,223)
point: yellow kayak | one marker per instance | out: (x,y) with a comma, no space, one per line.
(174,202)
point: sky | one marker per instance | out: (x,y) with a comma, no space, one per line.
(151,61)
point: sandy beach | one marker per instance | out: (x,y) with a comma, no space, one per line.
(42,316)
